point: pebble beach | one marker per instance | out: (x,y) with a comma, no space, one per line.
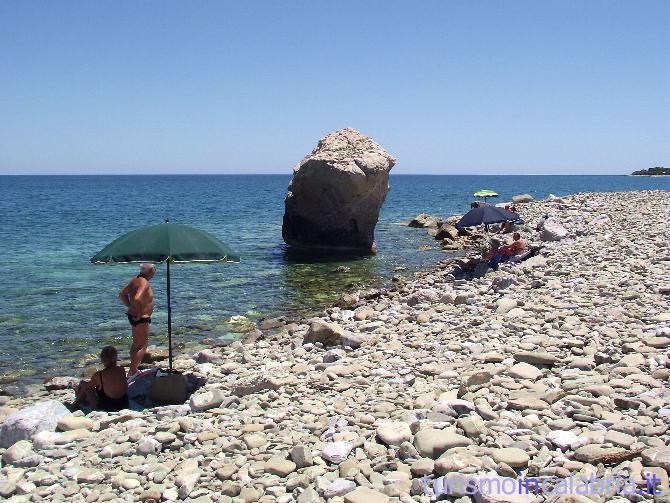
(554,367)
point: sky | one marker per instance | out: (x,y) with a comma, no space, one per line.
(481,87)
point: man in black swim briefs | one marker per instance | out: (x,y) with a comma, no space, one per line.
(138,297)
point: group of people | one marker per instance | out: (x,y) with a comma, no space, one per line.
(507,226)
(479,204)
(496,254)
(108,388)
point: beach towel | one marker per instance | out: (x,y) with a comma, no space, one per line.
(526,255)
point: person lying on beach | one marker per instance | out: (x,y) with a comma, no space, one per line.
(108,389)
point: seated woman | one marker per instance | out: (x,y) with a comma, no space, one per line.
(107,390)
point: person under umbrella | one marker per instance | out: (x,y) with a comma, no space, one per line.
(486,215)
(169,243)
(138,297)
(107,389)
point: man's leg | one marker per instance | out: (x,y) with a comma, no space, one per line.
(139,346)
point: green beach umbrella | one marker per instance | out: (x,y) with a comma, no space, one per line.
(169,243)
(485,193)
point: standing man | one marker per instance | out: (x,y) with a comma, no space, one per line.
(138,297)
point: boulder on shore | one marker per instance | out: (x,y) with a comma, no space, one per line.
(334,199)
(328,334)
(24,424)
(552,231)
(446,231)
(522,198)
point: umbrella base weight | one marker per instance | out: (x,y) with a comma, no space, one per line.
(169,389)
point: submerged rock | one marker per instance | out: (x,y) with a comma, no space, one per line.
(424,220)
(334,199)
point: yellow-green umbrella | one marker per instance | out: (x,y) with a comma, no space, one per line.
(485,193)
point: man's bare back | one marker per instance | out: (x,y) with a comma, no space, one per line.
(138,296)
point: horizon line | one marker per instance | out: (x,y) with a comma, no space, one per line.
(291,174)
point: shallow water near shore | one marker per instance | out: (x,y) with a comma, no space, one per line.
(57,310)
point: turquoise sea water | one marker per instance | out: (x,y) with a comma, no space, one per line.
(57,310)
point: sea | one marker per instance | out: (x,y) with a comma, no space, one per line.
(57,309)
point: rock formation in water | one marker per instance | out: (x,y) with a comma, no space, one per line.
(334,199)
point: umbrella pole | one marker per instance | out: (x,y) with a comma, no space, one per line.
(169,309)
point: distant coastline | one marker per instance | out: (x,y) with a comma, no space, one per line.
(656,171)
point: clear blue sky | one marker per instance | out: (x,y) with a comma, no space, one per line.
(250,86)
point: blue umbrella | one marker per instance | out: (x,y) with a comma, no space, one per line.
(486,215)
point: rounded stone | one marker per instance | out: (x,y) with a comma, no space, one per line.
(525,370)
(165,437)
(336,452)
(394,432)
(69,423)
(279,466)
(423,466)
(516,458)
(130,484)
(431,443)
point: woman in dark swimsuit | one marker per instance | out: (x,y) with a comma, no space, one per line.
(107,390)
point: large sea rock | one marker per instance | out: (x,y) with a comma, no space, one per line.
(334,199)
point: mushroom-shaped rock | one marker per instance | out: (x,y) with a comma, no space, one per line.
(336,193)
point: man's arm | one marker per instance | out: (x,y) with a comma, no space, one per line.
(95,380)
(139,293)
(123,295)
